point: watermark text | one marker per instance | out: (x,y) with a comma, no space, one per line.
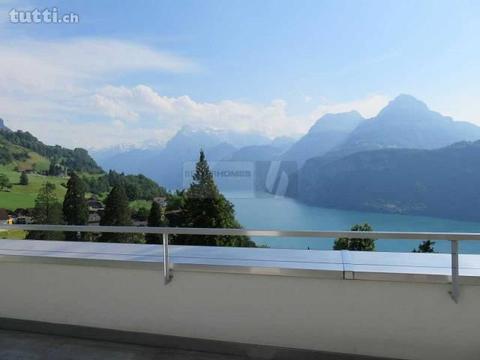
(45,16)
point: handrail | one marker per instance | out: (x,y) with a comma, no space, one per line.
(454,238)
(384,235)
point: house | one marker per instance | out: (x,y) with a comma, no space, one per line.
(94,218)
(23,220)
(95,210)
(160,200)
(94,204)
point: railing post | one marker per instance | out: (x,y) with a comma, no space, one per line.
(167,275)
(455,292)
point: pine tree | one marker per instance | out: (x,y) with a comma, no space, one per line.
(23,178)
(206,207)
(75,208)
(47,210)
(356,244)
(425,247)
(117,213)
(155,218)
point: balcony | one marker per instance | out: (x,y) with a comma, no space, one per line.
(240,303)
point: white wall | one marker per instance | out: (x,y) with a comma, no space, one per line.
(402,320)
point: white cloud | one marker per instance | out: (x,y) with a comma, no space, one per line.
(43,83)
(58,90)
(92,135)
(36,66)
(174,112)
(271,119)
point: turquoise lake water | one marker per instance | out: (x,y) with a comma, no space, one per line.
(266,212)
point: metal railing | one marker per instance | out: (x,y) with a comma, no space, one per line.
(454,239)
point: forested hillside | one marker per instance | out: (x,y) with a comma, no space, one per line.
(16,146)
(23,155)
(443,182)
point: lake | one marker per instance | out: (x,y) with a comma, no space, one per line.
(266,212)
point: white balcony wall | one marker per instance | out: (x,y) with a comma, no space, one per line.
(397,319)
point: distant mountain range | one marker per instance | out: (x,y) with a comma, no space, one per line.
(404,123)
(165,165)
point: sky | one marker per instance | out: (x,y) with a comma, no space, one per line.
(135,72)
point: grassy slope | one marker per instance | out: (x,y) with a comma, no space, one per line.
(13,234)
(137,204)
(24,196)
(21,196)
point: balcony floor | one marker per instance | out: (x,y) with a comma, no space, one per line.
(15,345)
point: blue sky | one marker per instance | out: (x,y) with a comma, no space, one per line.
(135,72)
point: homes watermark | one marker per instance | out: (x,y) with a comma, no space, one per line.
(248,179)
(42,16)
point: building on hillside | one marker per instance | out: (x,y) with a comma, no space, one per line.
(95,210)
(160,200)
(94,204)
(23,220)
(94,218)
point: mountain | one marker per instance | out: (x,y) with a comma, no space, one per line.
(283,142)
(441,182)
(131,161)
(267,152)
(105,154)
(165,165)
(23,147)
(257,153)
(327,133)
(406,123)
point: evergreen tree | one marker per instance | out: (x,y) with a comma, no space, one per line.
(47,210)
(4,182)
(356,244)
(75,208)
(425,247)
(117,213)
(156,218)
(23,178)
(54,169)
(206,207)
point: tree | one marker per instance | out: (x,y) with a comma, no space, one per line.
(47,210)
(140,214)
(75,208)
(156,218)
(55,169)
(23,178)
(4,182)
(425,247)
(117,213)
(206,207)
(174,210)
(356,244)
